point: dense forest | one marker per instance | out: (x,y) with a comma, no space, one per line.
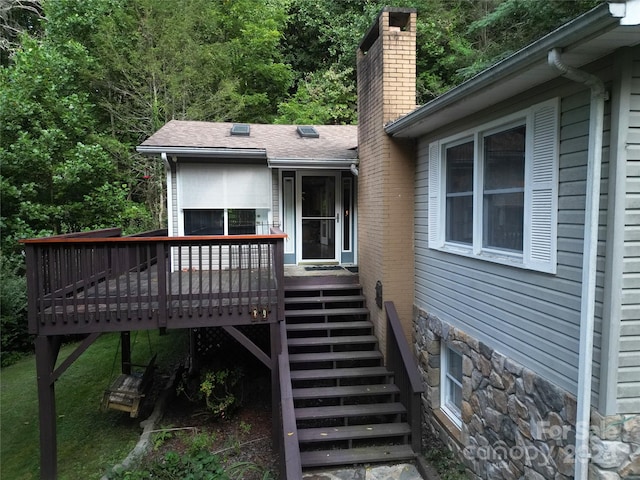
(82,82)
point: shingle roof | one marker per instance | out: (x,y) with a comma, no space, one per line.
(279,141)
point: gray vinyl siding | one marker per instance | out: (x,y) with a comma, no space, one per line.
(530,316)
(629,361)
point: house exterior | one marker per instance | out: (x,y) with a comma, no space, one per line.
(241,179)
(508,233)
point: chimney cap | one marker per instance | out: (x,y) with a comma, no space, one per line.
(398,17)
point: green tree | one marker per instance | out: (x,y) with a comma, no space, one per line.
(512,24)
(323,98)
(53,160)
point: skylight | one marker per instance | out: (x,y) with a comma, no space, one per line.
(241,129)
(307,131)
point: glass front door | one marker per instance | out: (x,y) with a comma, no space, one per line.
(319,235)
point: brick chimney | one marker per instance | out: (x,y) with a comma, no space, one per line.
(386,68)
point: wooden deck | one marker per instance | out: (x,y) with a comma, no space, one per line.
(86,285)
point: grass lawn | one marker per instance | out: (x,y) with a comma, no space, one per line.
(89,440)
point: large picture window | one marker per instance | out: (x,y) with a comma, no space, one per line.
(493,190)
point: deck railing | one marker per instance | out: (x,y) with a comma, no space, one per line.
(100,281)
(288,436)
(401,362)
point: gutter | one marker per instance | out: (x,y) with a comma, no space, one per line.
(589,256)
(582,27)
(226,153)
(312,163)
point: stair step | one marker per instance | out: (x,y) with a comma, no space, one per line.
(323,287)
(343,411)
(325,299)
(344,391)
(297,327)
(344,340)
(391,453)
(334,356)
(336,373)
(353,432)
(320,312)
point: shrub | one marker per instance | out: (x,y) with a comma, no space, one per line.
(15,340)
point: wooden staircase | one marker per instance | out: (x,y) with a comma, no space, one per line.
(346,404)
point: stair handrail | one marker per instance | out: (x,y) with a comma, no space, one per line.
(406,375)
(291,464)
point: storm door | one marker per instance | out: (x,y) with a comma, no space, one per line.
(318,197)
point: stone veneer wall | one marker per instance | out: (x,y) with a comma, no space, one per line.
(515,424)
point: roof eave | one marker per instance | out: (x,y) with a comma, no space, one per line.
(516,65)
(313,163)
(209,152)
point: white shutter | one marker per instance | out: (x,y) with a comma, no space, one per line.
(434,196)
(541,201)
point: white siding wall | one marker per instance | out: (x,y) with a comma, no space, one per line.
(529,316)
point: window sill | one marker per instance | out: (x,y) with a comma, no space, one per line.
(510,260)
(451,428)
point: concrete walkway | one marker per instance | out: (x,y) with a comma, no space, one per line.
(394,472)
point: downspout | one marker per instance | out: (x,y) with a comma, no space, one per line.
(589,258)
(354,169)
(169,205)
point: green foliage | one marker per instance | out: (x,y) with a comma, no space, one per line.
(196,60)
(15,340)
(162,436)
(323,98)
(218,388)
(512,24)
(197,463)
(89,441)
(58,174)
(445,463)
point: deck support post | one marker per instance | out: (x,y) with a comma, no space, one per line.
(47,349)
(125,340)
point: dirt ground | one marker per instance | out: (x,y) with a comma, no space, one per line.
(243,437)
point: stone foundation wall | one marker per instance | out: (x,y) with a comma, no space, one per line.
(515,424)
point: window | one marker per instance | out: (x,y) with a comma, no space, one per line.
(204,222)
(220,222)
(503,189)
(459,214)
(451,393)
(495,190)
(241,222)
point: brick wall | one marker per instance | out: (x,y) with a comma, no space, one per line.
(386,90)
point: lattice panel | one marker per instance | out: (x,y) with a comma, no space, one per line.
(211,341)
